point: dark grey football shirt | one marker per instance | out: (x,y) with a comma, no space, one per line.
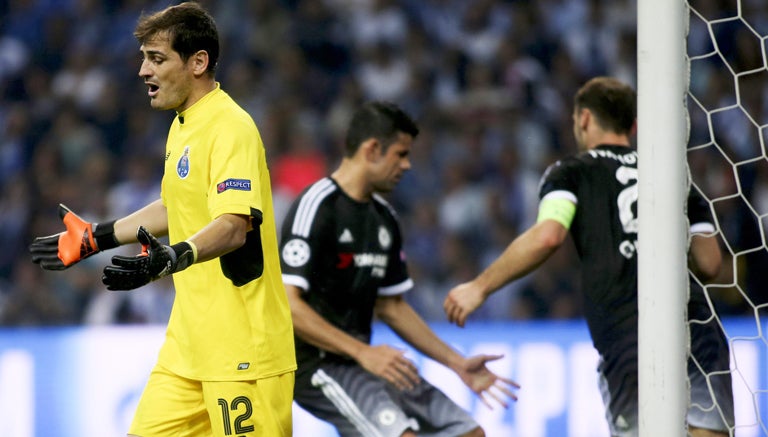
(603,183)
(343,254)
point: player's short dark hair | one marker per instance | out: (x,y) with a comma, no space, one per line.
(613,102)
(190,29)
(380,120)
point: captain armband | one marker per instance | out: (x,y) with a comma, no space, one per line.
(557,209)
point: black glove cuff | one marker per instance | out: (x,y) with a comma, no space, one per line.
(104,234)
(185,255)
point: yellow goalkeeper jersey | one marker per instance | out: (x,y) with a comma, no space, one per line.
(230,318)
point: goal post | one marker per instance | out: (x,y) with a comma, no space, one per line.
(662,78)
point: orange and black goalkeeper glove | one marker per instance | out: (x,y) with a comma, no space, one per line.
(81,240)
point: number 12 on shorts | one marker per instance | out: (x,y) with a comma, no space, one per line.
(240,418)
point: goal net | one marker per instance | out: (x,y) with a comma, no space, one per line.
(703,81)
(727,110)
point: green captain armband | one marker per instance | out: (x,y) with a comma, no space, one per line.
(557,209)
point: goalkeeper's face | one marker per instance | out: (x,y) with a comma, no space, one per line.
(168,78)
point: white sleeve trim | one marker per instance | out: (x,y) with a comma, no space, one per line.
(703,228)
(561,194)
(397,288)
(296,280)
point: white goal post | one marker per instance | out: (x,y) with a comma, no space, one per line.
(702,80)
(662,74)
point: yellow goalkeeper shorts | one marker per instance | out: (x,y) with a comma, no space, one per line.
(175,406)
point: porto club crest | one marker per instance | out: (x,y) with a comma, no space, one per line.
(182,167)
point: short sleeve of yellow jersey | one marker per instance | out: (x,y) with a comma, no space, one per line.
(236,170)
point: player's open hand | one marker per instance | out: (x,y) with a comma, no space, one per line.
(62,250)
(461,301)
(390,364)
(155,261)
(486,384)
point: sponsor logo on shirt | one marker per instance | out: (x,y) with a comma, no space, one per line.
(234,184)
(376,261)
(345,260)
(370,260)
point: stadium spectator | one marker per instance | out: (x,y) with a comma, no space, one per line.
(270,73)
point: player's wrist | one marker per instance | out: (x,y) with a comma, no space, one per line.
(356,351)
(185,254)
(456,362)
(104,235)
(483,285)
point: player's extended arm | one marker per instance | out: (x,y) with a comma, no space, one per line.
(527,252)
(154,218)
(400,316)
(383,361)
(705,257)
(224,234)
(221,236)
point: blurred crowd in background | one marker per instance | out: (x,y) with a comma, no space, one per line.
(489,81)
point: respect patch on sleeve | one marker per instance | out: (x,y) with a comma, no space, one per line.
(234,184)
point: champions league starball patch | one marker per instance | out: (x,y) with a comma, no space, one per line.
(182,167)
(234,184)
(296,252)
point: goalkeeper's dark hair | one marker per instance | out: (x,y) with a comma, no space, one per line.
(613,103)
(380,120)
(190,29)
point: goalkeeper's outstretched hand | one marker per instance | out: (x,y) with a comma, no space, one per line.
(81,240)
(155,261)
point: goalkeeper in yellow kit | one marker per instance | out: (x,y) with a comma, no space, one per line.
(227,364)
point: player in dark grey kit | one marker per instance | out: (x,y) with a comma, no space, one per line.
(594,195)
(343,263)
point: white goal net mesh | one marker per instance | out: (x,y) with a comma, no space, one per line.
(727,155)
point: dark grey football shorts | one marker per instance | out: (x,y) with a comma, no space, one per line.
(710,408)
(711,392)
(358,403)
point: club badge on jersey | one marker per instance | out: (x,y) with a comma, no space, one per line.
(182,167)
(385,240)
